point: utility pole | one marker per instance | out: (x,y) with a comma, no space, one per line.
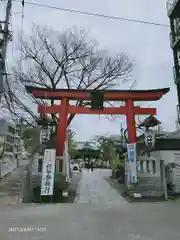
(5,36)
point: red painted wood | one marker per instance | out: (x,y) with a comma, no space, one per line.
(83,110)
(49,109)
(61,131)
(64,108)
(114,96)
(131,125)
(144,111)
(107,110)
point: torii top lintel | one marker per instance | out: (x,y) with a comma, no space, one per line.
(109,95)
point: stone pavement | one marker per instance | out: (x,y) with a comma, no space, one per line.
(94,189)
(104,217)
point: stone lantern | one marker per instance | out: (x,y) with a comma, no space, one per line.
(149,134)
(46,123)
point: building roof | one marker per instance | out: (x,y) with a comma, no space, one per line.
(81,145)
(169,135)
(164,135)
(150,121)
(164,141)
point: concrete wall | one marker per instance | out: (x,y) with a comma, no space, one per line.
(169,156)
(154,156)
(172,156)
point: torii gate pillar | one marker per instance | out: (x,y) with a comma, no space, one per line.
(130,119)
(62,125)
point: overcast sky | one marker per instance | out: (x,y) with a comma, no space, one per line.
(147,45)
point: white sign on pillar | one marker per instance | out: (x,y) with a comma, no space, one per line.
(66,163)
(149,138)
(44,135)
(47,182)
(131,149)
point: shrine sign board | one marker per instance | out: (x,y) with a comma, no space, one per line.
(47,181)
(131,149)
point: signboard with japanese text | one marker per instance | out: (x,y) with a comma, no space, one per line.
(44,135)
(131,149)
(149,138)
(47,182)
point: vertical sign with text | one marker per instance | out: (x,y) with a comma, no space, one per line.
(44,135)
(131,149)
(47,182)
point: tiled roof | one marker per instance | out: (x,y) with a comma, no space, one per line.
(165,135)
(92,145)
(174,135)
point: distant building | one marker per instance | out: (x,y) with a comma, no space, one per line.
(11,135)
(173,11)
(85,144)
(14,144)
(86,150)
(12,147)
(167,148)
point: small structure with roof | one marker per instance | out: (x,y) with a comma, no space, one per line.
(167,148)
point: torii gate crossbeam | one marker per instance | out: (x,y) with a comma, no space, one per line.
(130,110)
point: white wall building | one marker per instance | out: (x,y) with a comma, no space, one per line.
(12,146)
(167,148)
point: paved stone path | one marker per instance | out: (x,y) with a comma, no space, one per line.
(94,188)
(98,214)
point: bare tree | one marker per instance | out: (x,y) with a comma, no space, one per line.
(51,59)
(106,146)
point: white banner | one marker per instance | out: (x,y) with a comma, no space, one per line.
(66,163)
(47,181)
(149,138)
(44,135)
(131,149)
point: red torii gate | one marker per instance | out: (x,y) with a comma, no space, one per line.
(65,95)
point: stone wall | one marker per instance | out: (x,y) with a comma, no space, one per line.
(148,187)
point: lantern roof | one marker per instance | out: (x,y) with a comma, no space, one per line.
(150,121)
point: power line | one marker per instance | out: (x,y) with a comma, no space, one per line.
(93,14)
